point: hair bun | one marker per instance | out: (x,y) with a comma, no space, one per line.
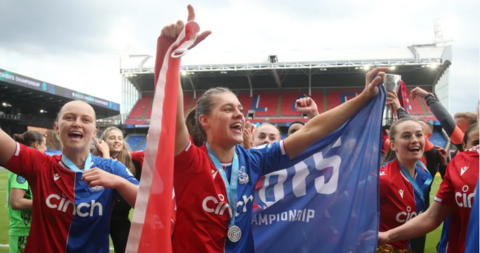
(18,138)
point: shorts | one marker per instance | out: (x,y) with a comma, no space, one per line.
(17,243)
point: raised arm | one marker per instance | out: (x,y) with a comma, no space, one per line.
(446,120)
(327,122)
(420,225)
(168,36)
(7,146)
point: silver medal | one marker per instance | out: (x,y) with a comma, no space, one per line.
(234,233)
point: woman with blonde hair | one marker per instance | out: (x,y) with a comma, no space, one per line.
(120,222)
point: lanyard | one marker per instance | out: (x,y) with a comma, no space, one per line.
(232,186)
(414,183)
(74,167)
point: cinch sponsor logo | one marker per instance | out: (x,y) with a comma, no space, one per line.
(215,205)
(403,217)
(83,209)
(303,215)
(464,199)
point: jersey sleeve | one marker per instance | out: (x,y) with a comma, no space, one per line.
(446,120)
(269,157)
(26,162)
(122,171)
(18,182)
(189,159)
(446,192)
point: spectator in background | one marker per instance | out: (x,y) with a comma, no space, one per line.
(295,126)
(19,196)
(465,119)
(120,222)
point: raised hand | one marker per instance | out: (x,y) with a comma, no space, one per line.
(392,100)
(98,177)
(418,92)
(307,106)
(371,89)
(102,148)
(247,135)
(443,154)
(172,31)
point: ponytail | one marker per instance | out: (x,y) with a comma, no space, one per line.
(29,138)
(194,129)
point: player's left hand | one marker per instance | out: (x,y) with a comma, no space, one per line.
(98,177)
(418,92)
(442,155)
(172,31)
(307,106)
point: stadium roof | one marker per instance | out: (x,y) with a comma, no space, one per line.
(38,102)
(419,65)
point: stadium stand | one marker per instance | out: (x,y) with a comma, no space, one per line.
(135,140)
(438,139)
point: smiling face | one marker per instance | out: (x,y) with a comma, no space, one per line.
(264,134)
(225,122)
(409,141)
(114,139)
(76,126)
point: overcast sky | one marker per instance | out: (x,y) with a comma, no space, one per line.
(77,44)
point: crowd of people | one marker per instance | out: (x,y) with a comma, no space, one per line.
(74,201)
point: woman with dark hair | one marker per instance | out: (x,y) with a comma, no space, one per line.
(19,196)
(404,180)
(215,183)
(455,198)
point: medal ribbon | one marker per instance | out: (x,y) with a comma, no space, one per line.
(74,167)
(232,186)
(414,183)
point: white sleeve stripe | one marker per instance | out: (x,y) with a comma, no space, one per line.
(438,199)
(17,151)
(189,145)
(282,148)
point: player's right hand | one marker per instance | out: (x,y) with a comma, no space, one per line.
(172,31)
(382,238)
(307,106)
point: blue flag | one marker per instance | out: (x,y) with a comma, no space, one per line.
(328,202)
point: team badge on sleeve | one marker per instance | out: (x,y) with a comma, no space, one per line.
(21,180)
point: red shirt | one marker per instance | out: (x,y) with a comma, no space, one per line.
(398,201)
(138,156)
(458,190)
(210,194)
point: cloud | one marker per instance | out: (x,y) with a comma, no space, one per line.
(76,44)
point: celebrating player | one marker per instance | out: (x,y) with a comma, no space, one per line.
(455,198)
(404,180)
(19,196)
(73,193)
(215,183)
(120,222)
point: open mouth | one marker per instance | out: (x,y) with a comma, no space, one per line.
(75,135)
(414,150)
(237,127)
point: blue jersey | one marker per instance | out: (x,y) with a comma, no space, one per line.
(472,243)
(67,214)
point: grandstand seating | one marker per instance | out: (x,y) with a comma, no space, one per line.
(140,107)
(438,139)
(275,113)
(134,140)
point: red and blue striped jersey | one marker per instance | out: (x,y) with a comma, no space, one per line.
(67,215)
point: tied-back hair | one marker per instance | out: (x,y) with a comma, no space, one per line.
(124,155)
(29,138)
(391,155)
(204,107)
(467,132)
